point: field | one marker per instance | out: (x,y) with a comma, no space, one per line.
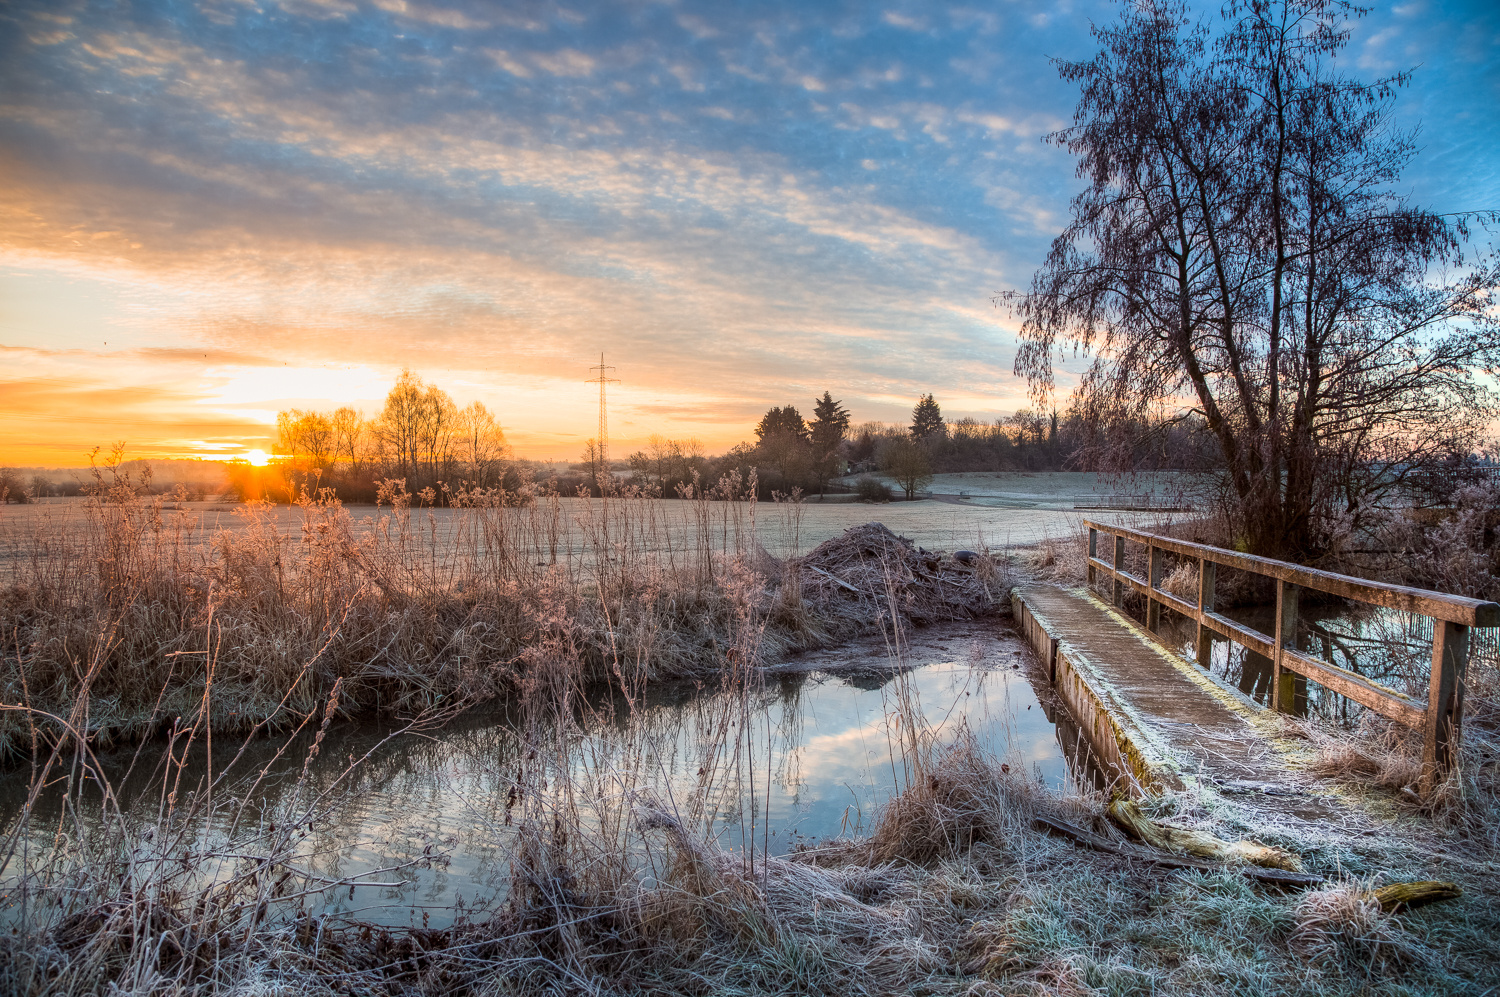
(784,529)
(1066,490)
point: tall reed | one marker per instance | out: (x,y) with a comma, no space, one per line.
(431,600)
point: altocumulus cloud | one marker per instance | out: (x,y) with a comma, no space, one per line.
(740,204)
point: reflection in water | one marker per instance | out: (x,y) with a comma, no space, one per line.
(802,757)
(1388,646)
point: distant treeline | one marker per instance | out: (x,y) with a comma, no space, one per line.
(193,479)
(820,454)
(424,439)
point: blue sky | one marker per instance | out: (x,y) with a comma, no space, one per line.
(214,211)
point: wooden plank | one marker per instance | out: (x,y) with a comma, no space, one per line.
(1119,567)
(1386,702)
(1450,654)
(1154,561)
(1289,687)
(1423,602)
(1223,625)
(1093,553)
(1241,634)
(1204,643)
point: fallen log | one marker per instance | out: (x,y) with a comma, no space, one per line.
(1398,897)
(1132,821)
(1167,860)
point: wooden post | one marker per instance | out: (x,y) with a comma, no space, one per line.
(1445,700)
(1093,553)
(1119,586)
(1154,561)
(1207,571)
(1288,689)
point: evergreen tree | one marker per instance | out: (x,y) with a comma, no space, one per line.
(927,419)
(784,446)
(781,422)
(829,427)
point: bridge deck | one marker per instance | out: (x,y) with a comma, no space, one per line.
(1169,719)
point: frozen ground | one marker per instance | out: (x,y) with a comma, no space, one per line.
(938,524)
(1064,489)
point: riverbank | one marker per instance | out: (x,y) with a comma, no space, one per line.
(137,618)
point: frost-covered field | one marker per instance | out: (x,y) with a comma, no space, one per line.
(782,528)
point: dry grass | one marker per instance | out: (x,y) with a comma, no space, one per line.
(1062,557)
(120,613)
(613,890)
(1381,756)
(1344,926)
(957,798)
(624,893)
(607,885)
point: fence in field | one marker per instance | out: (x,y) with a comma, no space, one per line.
(1453,617)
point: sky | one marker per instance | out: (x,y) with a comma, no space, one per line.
(211,212)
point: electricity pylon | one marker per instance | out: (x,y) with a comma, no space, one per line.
(602,442)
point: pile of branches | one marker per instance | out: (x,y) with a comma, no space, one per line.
(877,574)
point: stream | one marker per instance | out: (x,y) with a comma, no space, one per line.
(810,753)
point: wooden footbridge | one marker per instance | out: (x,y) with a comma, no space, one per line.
(1154,719)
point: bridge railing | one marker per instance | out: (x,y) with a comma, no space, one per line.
(1453,616)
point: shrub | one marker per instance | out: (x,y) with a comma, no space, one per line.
(872,490)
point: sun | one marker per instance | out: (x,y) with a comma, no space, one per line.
(259,458)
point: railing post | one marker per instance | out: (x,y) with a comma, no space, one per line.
(1445,700)
(1093,553)
(1153,584)
(1207,573)
(1288,689)
(1119,586)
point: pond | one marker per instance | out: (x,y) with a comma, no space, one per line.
(809,751)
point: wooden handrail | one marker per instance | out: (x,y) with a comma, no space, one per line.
(1452,617)
(1422,602)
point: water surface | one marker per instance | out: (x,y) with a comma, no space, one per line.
(810,752)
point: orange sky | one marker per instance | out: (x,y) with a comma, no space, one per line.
(210,212)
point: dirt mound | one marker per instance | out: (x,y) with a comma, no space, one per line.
(873,571)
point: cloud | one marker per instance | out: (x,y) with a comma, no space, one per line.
(505,61)
(743,205)
(58,422)
(565,62)
(904,21)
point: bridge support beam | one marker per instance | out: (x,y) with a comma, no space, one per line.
(1288,689)
(1445,700)
(1204,642)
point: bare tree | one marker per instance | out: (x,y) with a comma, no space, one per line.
(306,437)
(1240,253)
(348,434)
(905,460)
(479,442)
(415,428)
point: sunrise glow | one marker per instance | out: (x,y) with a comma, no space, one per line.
(213,216)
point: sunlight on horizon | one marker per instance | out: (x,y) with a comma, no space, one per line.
(832,205)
